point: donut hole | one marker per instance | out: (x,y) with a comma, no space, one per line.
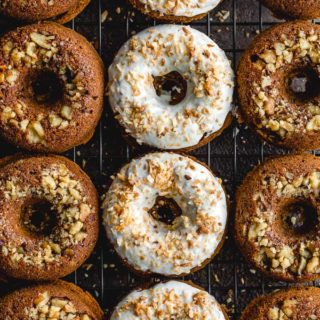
(303,83)
(300,217)
(47,87)
(171,84)
(38,217)
(165,210)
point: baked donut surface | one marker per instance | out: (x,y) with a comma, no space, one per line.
(277,217)
(51,88)
(35,10)
(178,11)
(166,214)
(294,9)
(52,300)
(301,303)
(169,300)
(48,217)
(171,88)
(278,85)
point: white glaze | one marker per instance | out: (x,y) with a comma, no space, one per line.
(157,51)
(180,300)
(149,245)
(183,8)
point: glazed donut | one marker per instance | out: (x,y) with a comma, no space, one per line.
(35,10)
(52,300)
(166,214)
(277,217)
(48,217)
(201,81)
(278,78)
(175,11)
(293,303)
(169,300)
(51,88)
(294,9)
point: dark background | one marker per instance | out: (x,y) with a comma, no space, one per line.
(229,278)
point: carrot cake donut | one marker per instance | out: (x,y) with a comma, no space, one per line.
(277,217)
(175,11)
(169,300)
(301,303)
(35,10)
(52,300)
(48,217)
(278,81)
(171,88)
(294,9)
(51,88)
(166,214)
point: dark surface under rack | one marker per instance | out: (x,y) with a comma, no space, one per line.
(229,278)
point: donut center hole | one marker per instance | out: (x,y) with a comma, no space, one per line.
(165,210)
(304,83)
(47,87)
(39,217)
(300,217)
(171,85)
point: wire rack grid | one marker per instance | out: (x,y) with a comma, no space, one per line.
(108,24)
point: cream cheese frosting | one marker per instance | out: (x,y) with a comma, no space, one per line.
(149,245)
(170,300)
(184,8)
(150,118)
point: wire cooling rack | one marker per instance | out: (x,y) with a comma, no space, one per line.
(108,24)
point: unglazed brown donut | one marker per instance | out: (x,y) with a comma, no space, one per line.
(301,303)
(48,217)
(294,9)
(51,300)
(277,217)
(278,85)
(35,10)
(51,88)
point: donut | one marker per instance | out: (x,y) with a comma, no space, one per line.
(169,300)
(294,303)
(294,9)
(165,214)
(175,11)
(171,88)
(51,88)
(52,300)
(35,10)
(278,85)
(48,217)
(277,217)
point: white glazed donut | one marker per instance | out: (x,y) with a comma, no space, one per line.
(193,9)
(149,245)
(150,118)
(169,300)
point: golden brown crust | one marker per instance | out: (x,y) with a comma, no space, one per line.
(61,11)
(299,303)
(64,264)
(264,70)
(206,262)
(260,229)
(59,131)
(294,9)
(16,304)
